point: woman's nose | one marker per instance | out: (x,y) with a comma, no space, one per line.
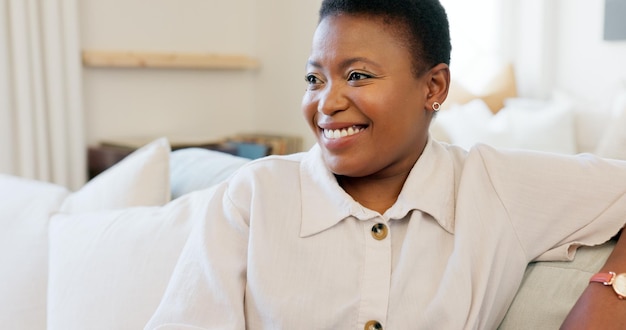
(332,100)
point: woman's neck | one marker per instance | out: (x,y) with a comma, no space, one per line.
(375,193)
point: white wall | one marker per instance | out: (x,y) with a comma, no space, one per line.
(555,44)
(558,45)
(145,102)
(285,30)
(586,65)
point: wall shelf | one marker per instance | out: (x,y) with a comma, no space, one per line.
(167,60)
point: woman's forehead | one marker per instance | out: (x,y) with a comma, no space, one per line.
(342,29)
(343,41)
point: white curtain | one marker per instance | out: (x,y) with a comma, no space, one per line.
(41,117)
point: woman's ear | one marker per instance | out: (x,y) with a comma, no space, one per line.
(438,84)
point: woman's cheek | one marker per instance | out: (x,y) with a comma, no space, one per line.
(308,106)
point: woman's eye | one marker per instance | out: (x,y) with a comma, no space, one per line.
(311,79)
(358,76)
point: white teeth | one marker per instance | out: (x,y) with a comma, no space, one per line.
(337,133)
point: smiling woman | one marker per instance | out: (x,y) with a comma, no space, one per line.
(378,225)
(366,81)
(363,92)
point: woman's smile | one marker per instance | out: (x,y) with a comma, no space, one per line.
(333,134)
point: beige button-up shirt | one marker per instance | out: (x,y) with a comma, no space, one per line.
(281,246)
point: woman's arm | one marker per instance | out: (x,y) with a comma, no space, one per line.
(599,306)
(206,290)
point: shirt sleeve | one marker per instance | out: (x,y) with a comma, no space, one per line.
(558,202)
(207,288)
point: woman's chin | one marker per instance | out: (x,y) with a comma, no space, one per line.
(345,165)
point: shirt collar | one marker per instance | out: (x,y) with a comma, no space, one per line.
(324,202)
(429,188)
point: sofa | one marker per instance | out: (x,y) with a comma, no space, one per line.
(100,257)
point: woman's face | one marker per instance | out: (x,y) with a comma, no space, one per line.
(363,101)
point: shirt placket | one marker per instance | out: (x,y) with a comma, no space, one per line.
(376,275)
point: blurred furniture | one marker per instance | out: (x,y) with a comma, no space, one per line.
(101,157)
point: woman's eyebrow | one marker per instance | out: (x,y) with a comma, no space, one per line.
(350,61)
(343,64)
(313,63)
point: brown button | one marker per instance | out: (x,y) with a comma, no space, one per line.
(379,231)
(373,325)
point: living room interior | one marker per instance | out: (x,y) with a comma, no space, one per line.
(76,74)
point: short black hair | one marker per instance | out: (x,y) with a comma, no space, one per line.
(423,22)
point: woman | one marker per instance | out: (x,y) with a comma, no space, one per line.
(378,226)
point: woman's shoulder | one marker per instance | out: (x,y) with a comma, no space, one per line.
(269,169)
(269,180)
(449,153)
(273,163)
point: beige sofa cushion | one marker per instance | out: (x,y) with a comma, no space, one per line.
(501,87)
(550,289)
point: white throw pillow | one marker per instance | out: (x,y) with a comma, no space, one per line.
(521,124)
(140,179)
(613,142)
(196,168)
(24,212)
(109,269)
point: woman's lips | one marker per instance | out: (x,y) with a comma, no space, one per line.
(343,132)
